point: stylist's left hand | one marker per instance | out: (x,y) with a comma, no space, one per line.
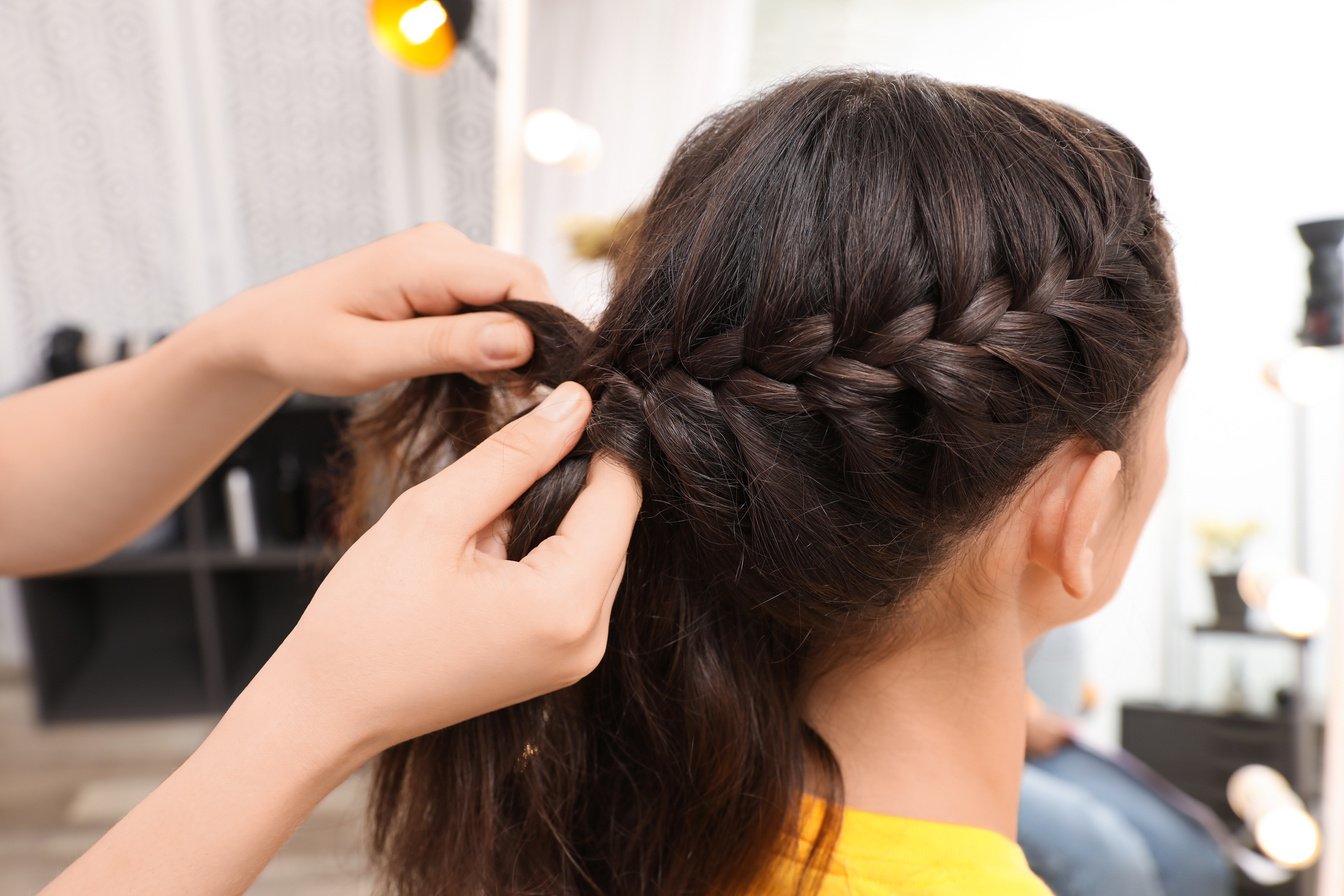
(381,313)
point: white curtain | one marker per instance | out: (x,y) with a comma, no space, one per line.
(158,155)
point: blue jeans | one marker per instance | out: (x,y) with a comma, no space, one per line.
(1088,829)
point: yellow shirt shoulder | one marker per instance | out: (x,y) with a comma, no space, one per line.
(883,855)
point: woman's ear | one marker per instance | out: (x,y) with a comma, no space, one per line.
(1068,518)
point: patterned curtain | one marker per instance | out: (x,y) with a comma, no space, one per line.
(158,155)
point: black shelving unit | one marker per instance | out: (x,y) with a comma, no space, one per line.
(183,626)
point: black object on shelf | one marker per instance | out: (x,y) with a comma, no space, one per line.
(182,627)
(65,352)
(1324,317)
(1227,602)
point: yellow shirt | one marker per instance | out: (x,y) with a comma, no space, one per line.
(882,855)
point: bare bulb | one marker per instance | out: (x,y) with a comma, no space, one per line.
(418,34)
(1305,375)
(1283,829)
(419,23)
(1253,586)
(553,137)
(1289,836)
(1296,605)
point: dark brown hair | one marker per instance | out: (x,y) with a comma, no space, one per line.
(856,314)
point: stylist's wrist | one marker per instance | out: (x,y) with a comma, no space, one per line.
(219,347)
(325,729)
(244,341)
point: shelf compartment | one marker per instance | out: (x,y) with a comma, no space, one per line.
(256,609)
(115,647)
(290,462)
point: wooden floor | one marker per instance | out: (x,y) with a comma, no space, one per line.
(61,787)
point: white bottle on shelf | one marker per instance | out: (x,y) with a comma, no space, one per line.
(242,511)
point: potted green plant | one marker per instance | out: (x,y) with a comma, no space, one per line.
(1224,549)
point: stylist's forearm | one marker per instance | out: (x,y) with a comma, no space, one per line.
(92,460)
(214,824)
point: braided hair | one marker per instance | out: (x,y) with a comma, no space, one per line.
(855,315)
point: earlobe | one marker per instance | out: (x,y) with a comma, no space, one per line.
(1081,519)
(1077,574)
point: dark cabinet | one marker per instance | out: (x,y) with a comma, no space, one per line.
(182,626)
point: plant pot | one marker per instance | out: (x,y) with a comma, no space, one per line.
(1227,601)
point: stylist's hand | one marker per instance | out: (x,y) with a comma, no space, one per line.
(382,313)
(420,625)
(423,624)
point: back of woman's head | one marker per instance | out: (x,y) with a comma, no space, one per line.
(857,312)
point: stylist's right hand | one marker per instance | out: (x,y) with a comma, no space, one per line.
(423,624)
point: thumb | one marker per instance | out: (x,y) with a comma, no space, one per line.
(449,343)
(484,482)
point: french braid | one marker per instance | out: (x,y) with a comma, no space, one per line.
(854,316)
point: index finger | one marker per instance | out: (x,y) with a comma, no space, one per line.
(588,549)
(485,481)
(449,271)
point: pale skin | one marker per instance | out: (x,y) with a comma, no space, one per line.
(422,624)
(935,728)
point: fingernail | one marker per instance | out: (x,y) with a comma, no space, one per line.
(503,341)
(562,402)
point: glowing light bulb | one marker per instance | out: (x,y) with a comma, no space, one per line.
(1276,816)
(1251,587)
(1297,606)
(550,136)
(1289,836)
(1305,376)
(419,34)
(419,23)
(1253,789)
(553,137)
(588,152)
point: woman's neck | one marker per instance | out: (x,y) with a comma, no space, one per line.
(936,730)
